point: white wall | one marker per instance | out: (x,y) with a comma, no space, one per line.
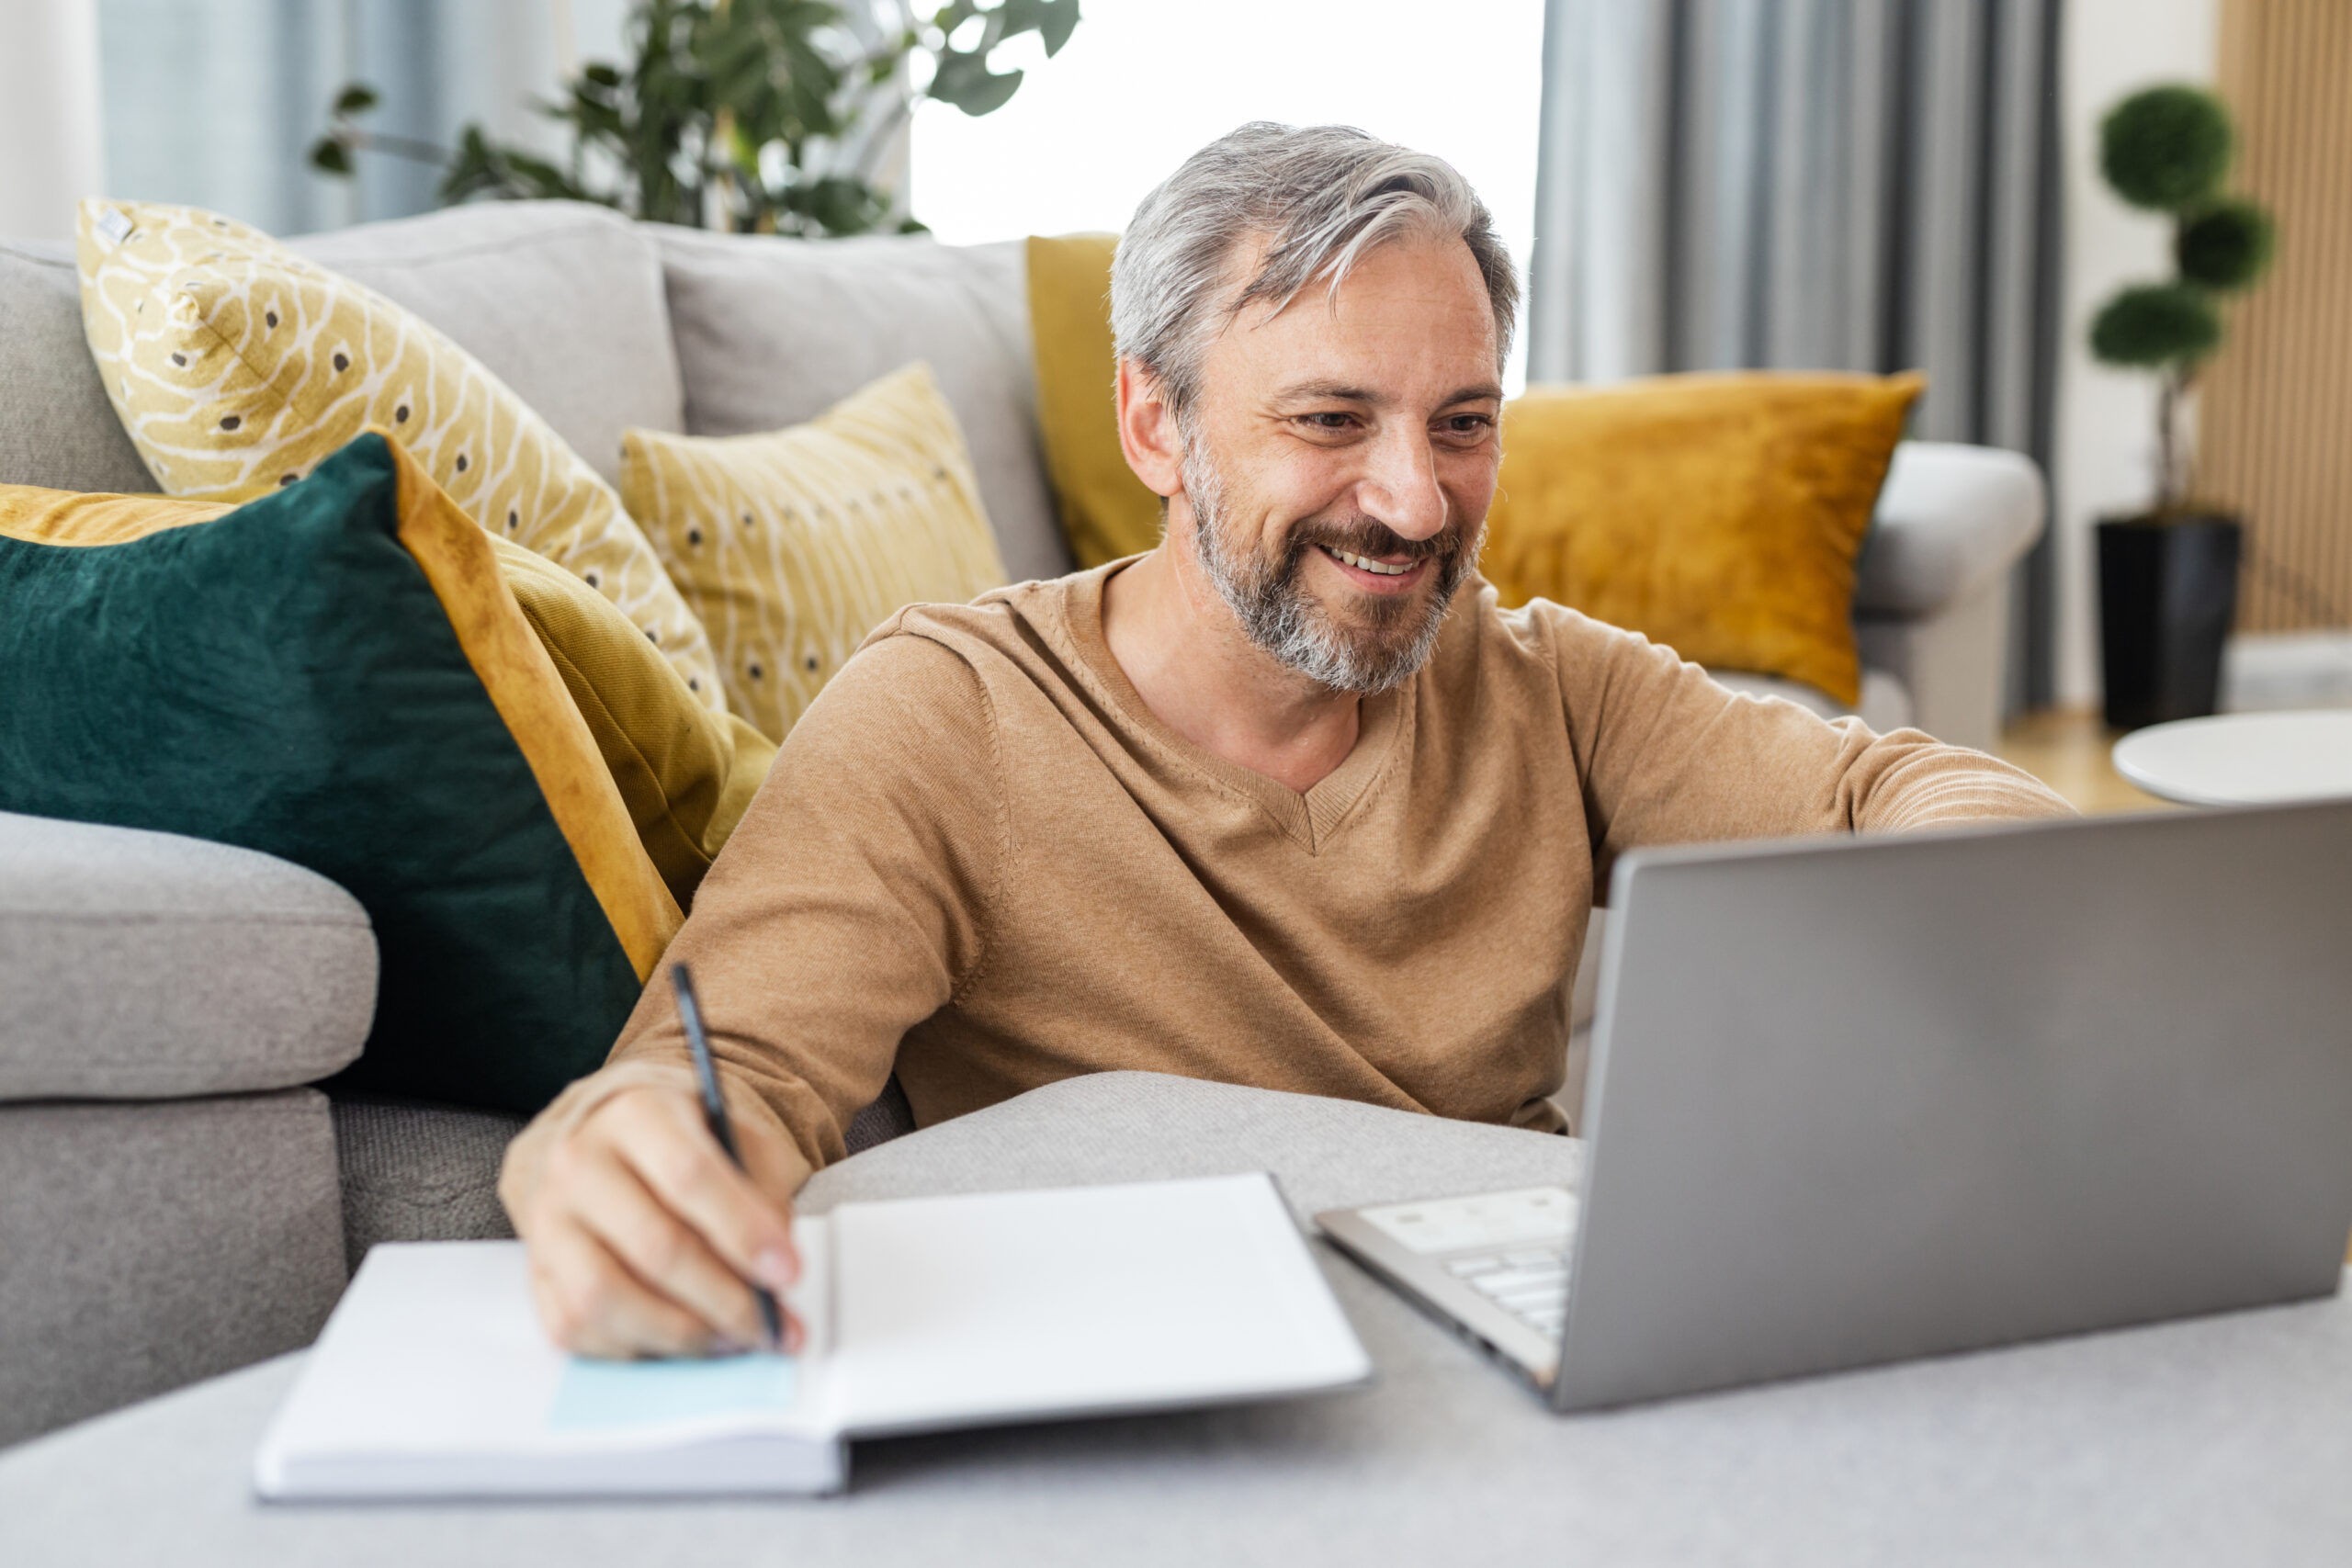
(48,115)
(2106,436)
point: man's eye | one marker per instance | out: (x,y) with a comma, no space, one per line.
(1331,421)
(1470,424)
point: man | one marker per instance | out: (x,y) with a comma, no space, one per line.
(1286,801)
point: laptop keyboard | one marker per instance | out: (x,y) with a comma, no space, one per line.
(1511,1247)
(1529,1283)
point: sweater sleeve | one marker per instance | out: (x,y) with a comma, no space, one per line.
(849,904)
(1668,756)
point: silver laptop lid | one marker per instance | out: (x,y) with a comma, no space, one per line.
(1861,1100)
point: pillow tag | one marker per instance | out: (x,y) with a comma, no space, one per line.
(113,226)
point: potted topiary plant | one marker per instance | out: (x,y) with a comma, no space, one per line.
(2168,578)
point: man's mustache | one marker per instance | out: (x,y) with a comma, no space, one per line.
(1370,536)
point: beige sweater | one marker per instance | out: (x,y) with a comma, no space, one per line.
(981,861)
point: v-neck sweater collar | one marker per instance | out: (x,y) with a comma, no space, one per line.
(1312,819)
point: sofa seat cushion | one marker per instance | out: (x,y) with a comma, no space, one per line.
(415,1170)
(144,965)
(774,332)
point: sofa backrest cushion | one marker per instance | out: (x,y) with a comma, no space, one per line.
(57,429)
(560,300)
(773,332)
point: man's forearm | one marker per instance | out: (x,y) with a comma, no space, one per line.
(1932,785)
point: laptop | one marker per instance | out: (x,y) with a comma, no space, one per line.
(1858,1100)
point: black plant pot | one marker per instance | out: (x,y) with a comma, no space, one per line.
(2167,594)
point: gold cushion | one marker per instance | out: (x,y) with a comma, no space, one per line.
(1105,510)
(236,366)
(685,774)
(793,545)
(1718,514)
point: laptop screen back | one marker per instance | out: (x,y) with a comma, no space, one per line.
(1865,1100)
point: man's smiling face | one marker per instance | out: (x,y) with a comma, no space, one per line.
(1341,456)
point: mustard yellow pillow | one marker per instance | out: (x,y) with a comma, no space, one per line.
(793,545)
(685,774)
(236,366)
(1719,514)
(1105,510)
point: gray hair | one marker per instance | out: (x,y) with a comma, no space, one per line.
(1322,195)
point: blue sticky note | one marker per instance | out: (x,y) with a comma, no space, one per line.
(595,1395)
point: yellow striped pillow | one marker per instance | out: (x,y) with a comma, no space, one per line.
(237,366)
(793,545)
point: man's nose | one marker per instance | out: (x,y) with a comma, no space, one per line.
(1401,489)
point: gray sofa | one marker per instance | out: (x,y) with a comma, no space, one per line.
(174,1199)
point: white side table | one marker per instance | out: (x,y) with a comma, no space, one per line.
(2243,759)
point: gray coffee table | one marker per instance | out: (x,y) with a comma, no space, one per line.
(2228,1440)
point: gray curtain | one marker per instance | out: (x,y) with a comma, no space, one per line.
(216,103)
(1860,185)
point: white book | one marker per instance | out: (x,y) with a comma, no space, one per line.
(433,1379)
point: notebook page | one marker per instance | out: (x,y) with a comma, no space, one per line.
(1003,1306)
(434,1376)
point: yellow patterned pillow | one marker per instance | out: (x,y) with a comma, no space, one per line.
(792,545)
(237,366)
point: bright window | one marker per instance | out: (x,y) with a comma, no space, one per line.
(1143,84)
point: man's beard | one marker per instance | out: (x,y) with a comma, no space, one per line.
(1280,615)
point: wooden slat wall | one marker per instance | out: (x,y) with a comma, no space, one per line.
(2276,421)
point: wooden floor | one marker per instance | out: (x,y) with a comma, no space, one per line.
(2068,748)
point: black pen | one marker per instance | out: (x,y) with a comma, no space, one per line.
(713,1110)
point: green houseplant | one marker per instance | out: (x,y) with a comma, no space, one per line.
(756,116)
(2168,577)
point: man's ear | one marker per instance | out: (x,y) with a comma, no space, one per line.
(1148,434)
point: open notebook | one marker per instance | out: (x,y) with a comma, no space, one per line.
(432,1378)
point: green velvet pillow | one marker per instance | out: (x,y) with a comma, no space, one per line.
(332,674)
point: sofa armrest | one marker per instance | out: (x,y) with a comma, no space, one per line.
(1952,520)
(144,965)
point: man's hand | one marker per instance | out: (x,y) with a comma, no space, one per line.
(646,1240)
